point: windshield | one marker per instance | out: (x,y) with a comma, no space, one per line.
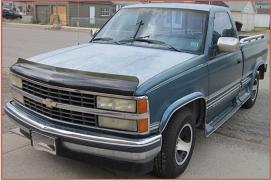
(177,28)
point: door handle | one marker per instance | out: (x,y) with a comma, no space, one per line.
(238,61)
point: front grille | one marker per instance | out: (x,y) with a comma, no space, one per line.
(61,96)
(66,116)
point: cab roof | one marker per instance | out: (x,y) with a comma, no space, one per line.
(200,7)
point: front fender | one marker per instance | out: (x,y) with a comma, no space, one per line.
(176,106)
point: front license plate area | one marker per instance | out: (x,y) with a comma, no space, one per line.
(43,142)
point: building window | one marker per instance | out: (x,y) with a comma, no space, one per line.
(105,12)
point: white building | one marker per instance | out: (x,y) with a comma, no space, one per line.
(262,18)
(243,11)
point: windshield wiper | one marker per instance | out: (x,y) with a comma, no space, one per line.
(139,39)
(140,23)
(157,42)
(105,39)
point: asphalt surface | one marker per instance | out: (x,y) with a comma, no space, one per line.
(239,149)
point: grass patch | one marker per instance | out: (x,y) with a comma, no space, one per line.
(13,20)
(20,21)
(90,26)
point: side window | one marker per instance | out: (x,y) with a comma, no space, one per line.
(222,27)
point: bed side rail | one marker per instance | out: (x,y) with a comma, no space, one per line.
(251,38)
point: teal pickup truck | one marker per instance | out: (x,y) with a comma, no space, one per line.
(140,88)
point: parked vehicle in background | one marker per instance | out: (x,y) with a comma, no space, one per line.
(10,14)
(142,85)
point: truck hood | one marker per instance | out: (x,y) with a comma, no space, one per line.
(140,62)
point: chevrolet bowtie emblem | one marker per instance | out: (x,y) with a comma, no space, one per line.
(49,103)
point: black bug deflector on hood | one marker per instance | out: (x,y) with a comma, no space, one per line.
(90,81)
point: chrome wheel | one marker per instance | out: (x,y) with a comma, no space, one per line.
(254,89)
(183,144)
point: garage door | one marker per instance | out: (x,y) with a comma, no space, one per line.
(62,12)
(43,14)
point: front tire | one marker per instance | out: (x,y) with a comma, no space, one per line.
(254,94)
(177,145)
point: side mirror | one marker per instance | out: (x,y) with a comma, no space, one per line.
(238,25)
(93,32)
(228,44)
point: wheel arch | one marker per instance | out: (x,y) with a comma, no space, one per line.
(259,67)
(195,101)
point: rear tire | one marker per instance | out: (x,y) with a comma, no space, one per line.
(254,94)
(178,140)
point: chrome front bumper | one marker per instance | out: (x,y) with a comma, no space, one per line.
(119,148)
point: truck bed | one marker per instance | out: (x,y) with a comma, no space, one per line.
(254,50)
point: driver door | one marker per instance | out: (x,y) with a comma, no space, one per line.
(225,69)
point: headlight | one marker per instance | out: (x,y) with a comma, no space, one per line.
(16,81)
(18,97)
(140,126)
(131,107)
(116,104)
(115,123)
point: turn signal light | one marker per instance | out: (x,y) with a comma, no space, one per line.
(142,125)
(142,106)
